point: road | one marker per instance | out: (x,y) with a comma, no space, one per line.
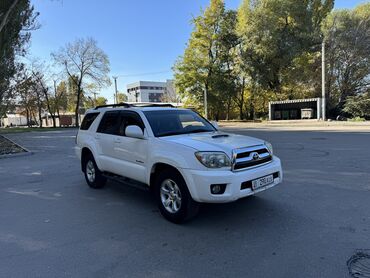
(53,225)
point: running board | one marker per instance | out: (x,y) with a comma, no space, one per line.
(128,181)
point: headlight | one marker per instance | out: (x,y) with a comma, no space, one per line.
(269,147)
(213,159)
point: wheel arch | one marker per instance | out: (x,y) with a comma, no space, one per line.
(85,152)
(159,167)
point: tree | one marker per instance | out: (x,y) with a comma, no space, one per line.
(39,95)
(207,66)
(228,80)
(39,72)
(274,32)
(27,97)
(60,96)
(347,36)
(17,19)
(358,106)
(84,63)
(100,101)
(195,71)
(121,97)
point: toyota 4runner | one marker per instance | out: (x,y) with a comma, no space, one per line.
(177,154)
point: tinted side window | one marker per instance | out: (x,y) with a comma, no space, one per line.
(129,118)
(88,120)
(110,123)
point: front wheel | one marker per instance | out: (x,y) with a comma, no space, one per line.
(174,200)
(93,176)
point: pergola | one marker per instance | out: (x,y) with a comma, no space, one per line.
(295,109)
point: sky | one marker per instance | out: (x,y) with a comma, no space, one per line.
(142,38)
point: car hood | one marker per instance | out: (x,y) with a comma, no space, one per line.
(214,141)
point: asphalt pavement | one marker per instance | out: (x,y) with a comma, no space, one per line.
(53,225)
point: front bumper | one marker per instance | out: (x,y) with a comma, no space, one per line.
(199,182)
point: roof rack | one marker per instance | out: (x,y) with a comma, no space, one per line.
(152,105)
(128,105)
(122,104)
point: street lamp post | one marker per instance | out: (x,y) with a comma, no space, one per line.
(205,104)
(116,92)
(323,109)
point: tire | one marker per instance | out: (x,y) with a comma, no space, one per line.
(93,176)
(171,189)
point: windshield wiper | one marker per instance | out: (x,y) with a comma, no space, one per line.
(170,133)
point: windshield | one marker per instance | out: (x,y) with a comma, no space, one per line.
(174,122)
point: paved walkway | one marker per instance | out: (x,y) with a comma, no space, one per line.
(304,125)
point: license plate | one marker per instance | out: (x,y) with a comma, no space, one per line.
(261,182)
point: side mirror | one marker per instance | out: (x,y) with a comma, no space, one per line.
(215,124)
(134,131)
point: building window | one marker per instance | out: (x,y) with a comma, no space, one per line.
(155,97)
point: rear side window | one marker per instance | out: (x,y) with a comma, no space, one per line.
(88,120)
(110,123)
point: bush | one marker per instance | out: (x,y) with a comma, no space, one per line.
(357,119)
(358,106)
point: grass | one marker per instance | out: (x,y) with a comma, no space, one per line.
(29,129)
(357,119)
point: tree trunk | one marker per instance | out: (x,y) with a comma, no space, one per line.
(49,109)
(228,108)
(58,113)
(40,117)
(241,104)
(251,104)
(228,112)
(34,117)
(251,111)
(56,101)
(28,117)
(77,107)
(205,102)
(4,20)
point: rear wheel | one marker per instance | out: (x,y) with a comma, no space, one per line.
(173,198)
(93,176)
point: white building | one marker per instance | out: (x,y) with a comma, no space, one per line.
(151,91)
(13,119)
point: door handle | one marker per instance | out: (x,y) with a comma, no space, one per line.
(97,137)
(117,140)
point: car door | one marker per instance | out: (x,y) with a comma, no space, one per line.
(105,136)
(131,153)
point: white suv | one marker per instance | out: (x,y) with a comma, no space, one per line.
(176,153)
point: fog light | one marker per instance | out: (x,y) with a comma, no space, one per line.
(218,188)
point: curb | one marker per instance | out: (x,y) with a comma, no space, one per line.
(3,156)
(25,153)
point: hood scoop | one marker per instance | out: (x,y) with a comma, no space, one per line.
(220,135)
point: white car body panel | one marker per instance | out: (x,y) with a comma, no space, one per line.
(135,158)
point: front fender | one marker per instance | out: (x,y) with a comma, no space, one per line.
(180,157)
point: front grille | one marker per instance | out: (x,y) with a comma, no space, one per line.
(249,157)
